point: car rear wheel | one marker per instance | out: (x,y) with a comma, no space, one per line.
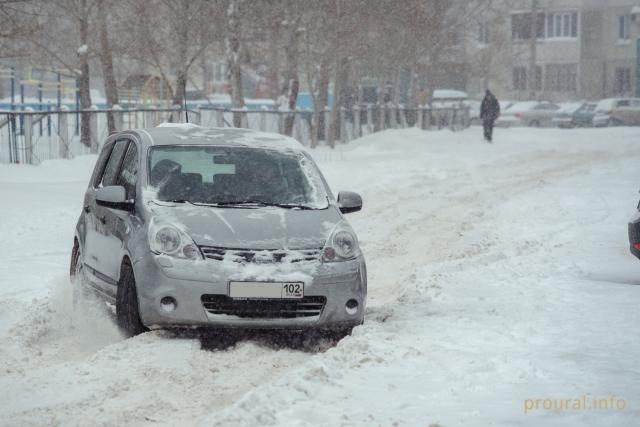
(127,309)
(534,124)
(78,292)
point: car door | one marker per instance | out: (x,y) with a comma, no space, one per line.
(120,223)
(100,249)
(90,234)
(547,112)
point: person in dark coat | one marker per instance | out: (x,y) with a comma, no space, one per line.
(489,112)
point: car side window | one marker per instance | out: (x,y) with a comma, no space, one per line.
(100,165)
(113,165)
(129,172)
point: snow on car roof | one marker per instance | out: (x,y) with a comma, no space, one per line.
(569,107)
(606,104)
(449,94)
(188,133)
(522,106)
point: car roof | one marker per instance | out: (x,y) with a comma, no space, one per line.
(190,134)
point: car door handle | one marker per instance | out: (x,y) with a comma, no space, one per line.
(87,208)
(103,219)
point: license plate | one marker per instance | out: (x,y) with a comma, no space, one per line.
(273,290)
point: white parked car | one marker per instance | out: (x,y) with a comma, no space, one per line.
(528,113)
(617,112)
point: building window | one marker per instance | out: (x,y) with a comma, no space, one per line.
(561,77)
(623,27)
(562,25)
(622,80)
(521,26)
(483,33)
(519,78)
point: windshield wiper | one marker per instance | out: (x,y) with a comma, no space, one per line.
(259,203)
(180,201)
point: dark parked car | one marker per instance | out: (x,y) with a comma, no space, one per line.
(575,115)
(634,233)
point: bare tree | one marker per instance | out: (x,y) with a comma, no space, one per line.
(70,50)
(106,59)
(234,68)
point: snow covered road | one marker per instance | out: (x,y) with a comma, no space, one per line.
(498,275)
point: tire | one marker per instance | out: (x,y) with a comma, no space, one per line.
(534,124)
(127,309)
(78,292)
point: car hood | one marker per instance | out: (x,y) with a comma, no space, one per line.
(252,228)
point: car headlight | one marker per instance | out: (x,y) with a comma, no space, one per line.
(341,245)
(170,240)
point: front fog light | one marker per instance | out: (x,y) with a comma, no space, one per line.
(190,251)
(329,254)
(351,306)
(168,304)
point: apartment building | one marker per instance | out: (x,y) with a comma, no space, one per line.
(584,49)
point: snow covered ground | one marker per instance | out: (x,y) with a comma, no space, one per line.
(498,275)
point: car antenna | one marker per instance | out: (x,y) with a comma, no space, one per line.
(184,97)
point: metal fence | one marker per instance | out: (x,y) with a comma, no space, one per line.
(29,136)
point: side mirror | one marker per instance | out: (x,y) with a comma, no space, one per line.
(349,201)
(115,197)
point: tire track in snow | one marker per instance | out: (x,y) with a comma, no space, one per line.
(396,251)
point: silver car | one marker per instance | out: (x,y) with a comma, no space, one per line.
(528,113)
(184,226)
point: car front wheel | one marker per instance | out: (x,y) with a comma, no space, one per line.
(127,310)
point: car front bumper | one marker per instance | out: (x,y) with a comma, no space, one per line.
(599,121)
(187,281)
(562,122)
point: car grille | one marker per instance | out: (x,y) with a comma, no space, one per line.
(266,256)
(264,308)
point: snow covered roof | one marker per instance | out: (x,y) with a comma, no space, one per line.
(191,134)
(449,94)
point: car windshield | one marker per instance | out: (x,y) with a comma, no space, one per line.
(232,176)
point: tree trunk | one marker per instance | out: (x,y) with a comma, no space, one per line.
(532,49)
(319,101)
(179,91)
(83,80)
(234,69)
(106,58)
(274,63)
(340,77)
(181,66)
(395,100)
(293,83)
